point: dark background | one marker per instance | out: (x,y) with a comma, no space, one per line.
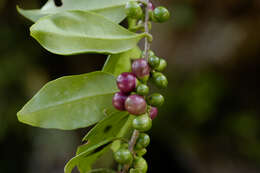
(210,121)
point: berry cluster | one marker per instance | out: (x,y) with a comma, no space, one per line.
(133,96)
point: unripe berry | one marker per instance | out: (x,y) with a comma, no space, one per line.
(162,65)
(126,82)
(154,61)
(141,152)
(142,89)
(161,14)
(142,123)
(140,68)
(153,112)
(156,100)
(150,53)
(133,10)
(140,163)
(135,104)
(123,156)
(160,80)
(119,101)
(143,141)
(132,170)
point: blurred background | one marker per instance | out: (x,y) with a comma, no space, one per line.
(210,121)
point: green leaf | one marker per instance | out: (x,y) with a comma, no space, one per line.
(75,32)
(99,140)
(70,102)
(102,171)
(112,9)
(118,63)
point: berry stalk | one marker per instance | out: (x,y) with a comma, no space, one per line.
(146,30)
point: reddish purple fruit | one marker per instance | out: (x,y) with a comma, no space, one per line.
(140,68)
(126,82)
(150,6)
(135,105)
(119,101)
(153,112)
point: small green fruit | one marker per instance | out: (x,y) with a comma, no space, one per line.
(142,89)
(162,65)
(123,156)
(140,163)
(160,80)
(133,10)
(161,14)
(142,141)
(150,53)
(142,123)
(154,61)
(132,170)
(141,152)
(156,100)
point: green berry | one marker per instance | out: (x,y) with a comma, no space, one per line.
(142,123)
(124,145)
(150,53)
(156,100)
(142,89)
(123,156)
(160,80)
(142,141)
(140,163)
(141,152)
(132,170)
(161,14)
(133,10)
(154,61)
(162,65)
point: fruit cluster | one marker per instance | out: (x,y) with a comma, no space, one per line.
(133,96)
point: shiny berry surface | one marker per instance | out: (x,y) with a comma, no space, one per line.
(140,68)
(133,10)
(156,100)
(153,112)
(140,163)
(161,14)
(142,89)
(154,61)
(126,82)
(123,156)
(135,104)
(119,101)
(143,141)
(142,123)
(160,80)
(162,65)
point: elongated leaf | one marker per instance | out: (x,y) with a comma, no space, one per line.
(99,140)
(75,32)
(112,9)
(70,102)
(118,63)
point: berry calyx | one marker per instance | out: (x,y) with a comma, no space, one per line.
(154,61)
(123,156)
(133,10)
(161,14)
(142,123)
(140,163)
(126,82)
(140,68)
(142,141)
(162,65)
(119,101)
(153,112)
(135,104)
(156,100)
(160,80)
(142,89)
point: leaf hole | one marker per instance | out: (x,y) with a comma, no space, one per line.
(58,3)
(107,128)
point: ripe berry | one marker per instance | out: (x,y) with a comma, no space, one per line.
(155,99)
(123,156)
(135,104)
(154,61)
(133,10)
(119,101)
(161,14)
(142,89)
(140,163)
(153,112)
(150,6)
(142,141)
(142,123)
(160,80)
(140,68)
(126,82)
(162,65)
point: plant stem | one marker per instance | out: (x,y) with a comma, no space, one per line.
(146,30)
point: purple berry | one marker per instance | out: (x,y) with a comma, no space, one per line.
(135,105)
(153,112)
(140,68)
(150,6)
(119,101)
(126,82)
